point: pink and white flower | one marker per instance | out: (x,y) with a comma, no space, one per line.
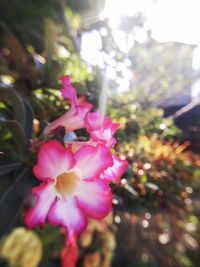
(74,118)
(75,179)
(71,189)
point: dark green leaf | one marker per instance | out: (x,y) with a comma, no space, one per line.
(18,135)
(5,114)
(11,201)
(28,127)
(9,168)
(18,106)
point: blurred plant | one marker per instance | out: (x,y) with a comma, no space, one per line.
(158,203)
(35,52)
(21,248)
(97,243)
(134,122)
(69,256)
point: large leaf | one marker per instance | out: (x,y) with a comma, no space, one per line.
(9,168)
(11,201)
(18,105)
(28,126)
(5,114)
(18,135)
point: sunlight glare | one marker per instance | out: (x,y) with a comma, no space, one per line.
(114,9)
(175,20)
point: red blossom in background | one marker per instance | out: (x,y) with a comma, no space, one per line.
(69,256)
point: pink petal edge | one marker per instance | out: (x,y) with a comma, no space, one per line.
(53,159)
(38,213)
(92,160)
(95,198)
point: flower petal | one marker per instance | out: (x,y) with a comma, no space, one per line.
(68,91)
(105,135)
(46,196)
(101,128)
(95,198)
(95,120)
(115,172)
(53,159)
(67,213)
(72,120)
(91,160)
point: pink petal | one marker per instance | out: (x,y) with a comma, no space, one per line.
(76,145)
(115,172)
(72,120)
(95,120)
(95,198)
(68,91)
(101,128)
(91,161)
(105,135)
(46,196)
(53,159)
(67,214)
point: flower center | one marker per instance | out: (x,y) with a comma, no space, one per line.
(66,183)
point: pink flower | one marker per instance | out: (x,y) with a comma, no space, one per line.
(74,118)
(68,91)
(71,189)
(101,131)
(101,128)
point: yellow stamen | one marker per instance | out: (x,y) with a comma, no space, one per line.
(66,183)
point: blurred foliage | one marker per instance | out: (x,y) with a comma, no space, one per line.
(136,121)
(169,75)
(158,202)
(97,243)
(22,246)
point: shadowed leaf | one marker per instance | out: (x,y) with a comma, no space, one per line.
(11,201)
(18,106)
(18,135)
(28,127)
(9,168)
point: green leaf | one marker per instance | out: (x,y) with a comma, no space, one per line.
(9,168)
(18,106)
(5,114)
(29,115)
(11,201)
(18,135)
